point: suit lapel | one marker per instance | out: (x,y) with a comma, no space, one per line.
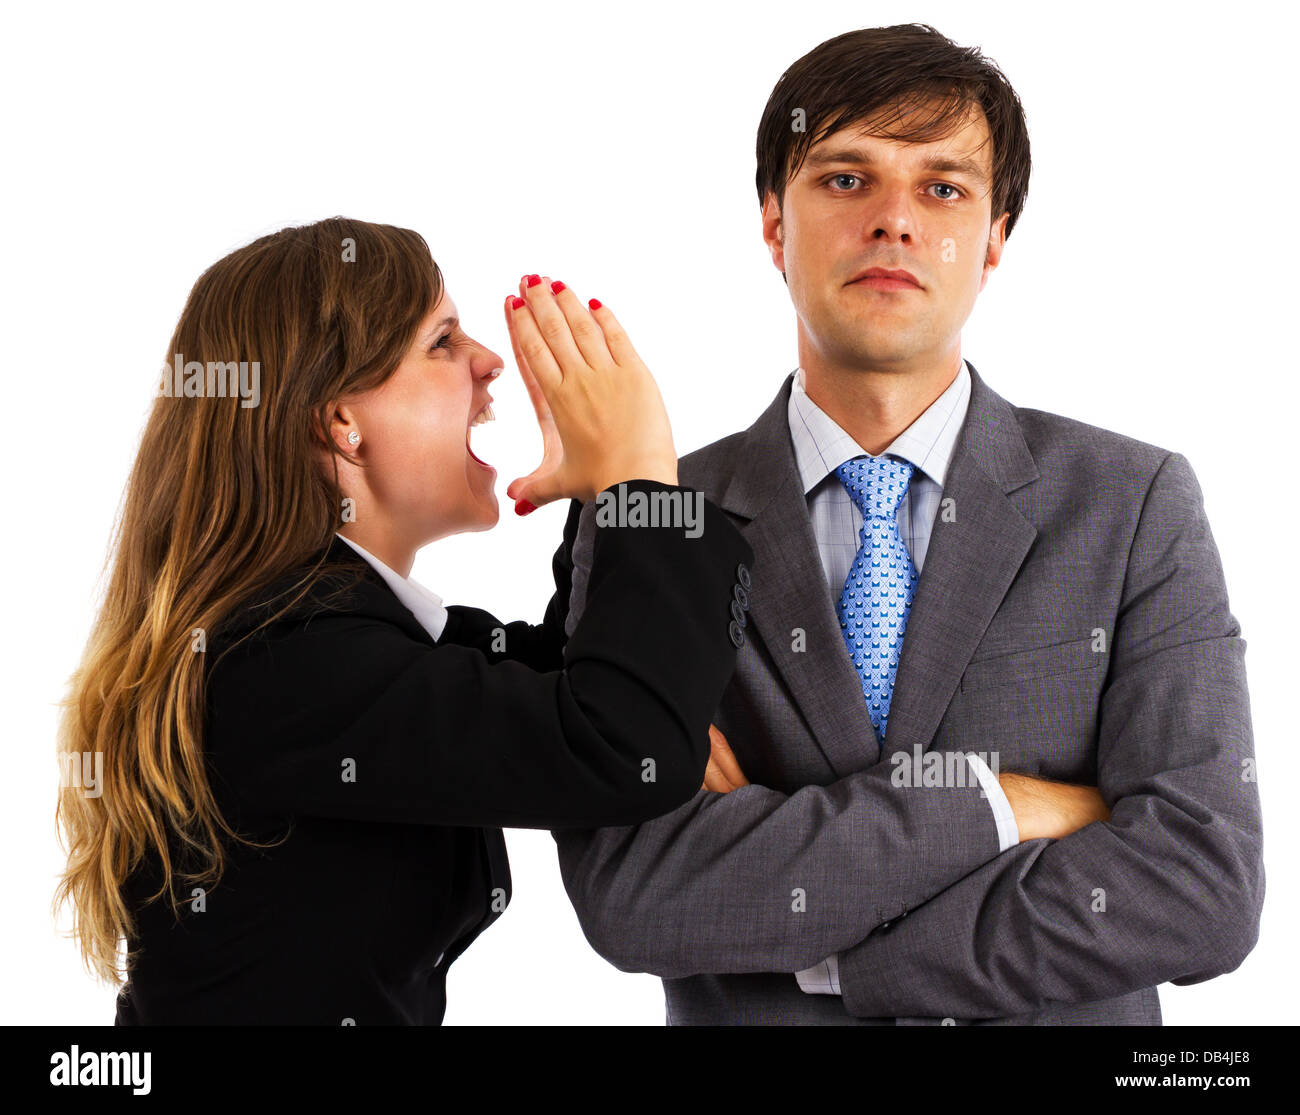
(976,548)
(790,592)
(977,545)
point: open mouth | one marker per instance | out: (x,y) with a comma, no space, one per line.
(484,415)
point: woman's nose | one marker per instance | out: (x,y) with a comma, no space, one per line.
(488,365)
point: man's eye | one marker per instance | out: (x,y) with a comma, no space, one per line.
(947,186)
(840,177)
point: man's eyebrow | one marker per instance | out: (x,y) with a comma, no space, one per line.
(940,164)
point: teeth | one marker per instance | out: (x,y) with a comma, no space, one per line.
(484,415)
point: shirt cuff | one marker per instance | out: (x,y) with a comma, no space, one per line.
(1008,830)
(821,979)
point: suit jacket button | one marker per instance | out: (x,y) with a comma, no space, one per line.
(738,613)
(742,597)
(737,635)
(742,575)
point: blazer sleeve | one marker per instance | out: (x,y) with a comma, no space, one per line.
(761,881)
(346,716)
(540,646)
(1170,888)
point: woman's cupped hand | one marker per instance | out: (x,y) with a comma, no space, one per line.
(602,418)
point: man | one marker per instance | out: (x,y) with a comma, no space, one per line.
(990,695)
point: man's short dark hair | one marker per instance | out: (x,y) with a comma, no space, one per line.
(883,72)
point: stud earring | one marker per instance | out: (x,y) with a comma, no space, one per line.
(353,438)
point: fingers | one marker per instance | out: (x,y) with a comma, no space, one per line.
(537,489)
(723,774)
(715,780)
(593,334)
(531,350)
(535,393)
(619,346)
(552,325)
(587,333)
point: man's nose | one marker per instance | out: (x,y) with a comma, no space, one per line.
(893,217)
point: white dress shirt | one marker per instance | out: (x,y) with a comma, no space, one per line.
(423,604)
(820,447)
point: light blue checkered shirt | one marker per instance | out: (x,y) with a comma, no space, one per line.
(820,447)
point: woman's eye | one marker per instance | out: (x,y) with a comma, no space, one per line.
(442,341)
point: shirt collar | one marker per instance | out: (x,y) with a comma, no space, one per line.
(426,606)
(821,445)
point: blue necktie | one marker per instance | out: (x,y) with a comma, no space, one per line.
(877,596)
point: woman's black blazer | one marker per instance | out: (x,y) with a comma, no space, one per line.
(392,761)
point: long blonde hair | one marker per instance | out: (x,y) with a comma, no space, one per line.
(227,494)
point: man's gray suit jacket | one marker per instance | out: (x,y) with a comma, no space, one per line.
(1071,622)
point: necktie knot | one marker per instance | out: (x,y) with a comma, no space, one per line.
(876,484)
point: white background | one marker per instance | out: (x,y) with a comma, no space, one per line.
(1146,289)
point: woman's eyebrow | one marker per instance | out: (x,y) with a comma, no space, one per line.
(451,320)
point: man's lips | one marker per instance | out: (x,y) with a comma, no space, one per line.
(881,278)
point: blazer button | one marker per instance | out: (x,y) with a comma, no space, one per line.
(742,575)
(742,597)
(738,613)
(737,635)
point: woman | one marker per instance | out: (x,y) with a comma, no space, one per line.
(306,758)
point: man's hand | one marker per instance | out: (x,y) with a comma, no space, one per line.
(1051,809)
(723,774)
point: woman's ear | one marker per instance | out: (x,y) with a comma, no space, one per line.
(344,431)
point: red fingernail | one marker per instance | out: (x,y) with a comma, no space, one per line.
(516,302)
(594,303)
(533,280)
(523,507)
(556,287)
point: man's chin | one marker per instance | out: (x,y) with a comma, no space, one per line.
(876,348)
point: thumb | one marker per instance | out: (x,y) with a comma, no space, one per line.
(536,489)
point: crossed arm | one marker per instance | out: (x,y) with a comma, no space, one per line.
(1168,888)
